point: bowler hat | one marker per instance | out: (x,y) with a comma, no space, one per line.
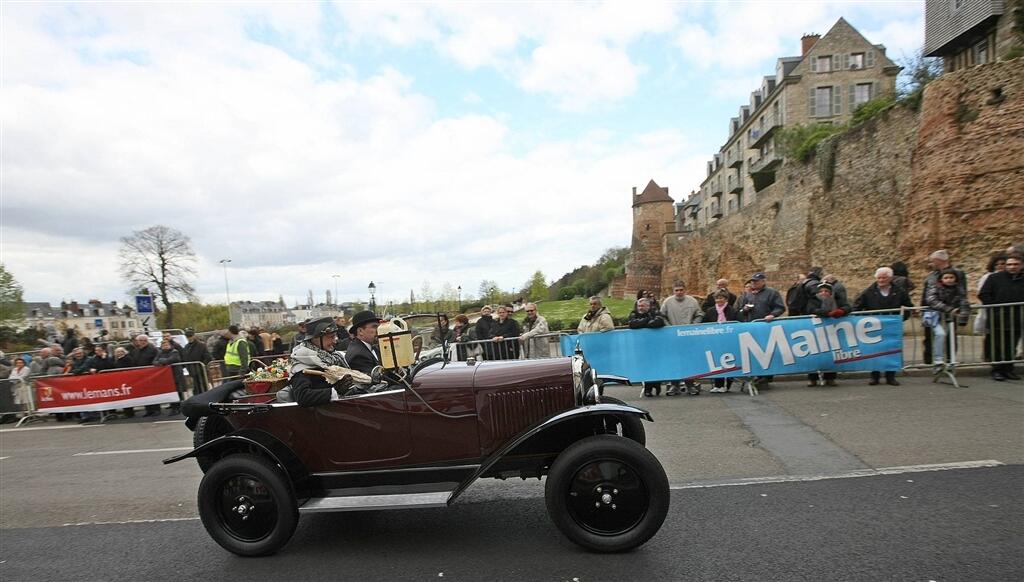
(362,318)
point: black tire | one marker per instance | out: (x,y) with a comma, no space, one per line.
(607,493)
(629,425)
(207,429)
(241,487)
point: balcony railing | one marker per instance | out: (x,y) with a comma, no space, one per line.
(716,210)
(736,188)
(761,134)
(735,160)
(766,164)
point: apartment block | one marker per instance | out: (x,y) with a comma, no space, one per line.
(833,75)
(967,33)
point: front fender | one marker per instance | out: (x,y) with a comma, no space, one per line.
(560,418)
(266,444)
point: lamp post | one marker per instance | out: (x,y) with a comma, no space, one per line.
(459,290)
(335,277)
(373,299)
(227,292)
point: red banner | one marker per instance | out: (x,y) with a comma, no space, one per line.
(106,391)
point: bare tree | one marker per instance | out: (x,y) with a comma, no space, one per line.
(159,257)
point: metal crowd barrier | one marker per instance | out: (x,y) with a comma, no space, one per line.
(188,377)
(540,346)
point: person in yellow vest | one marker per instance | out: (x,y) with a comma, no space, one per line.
(236,357)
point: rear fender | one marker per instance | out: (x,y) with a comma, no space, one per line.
(260,442)
(548,428)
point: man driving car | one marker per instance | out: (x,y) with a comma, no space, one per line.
(363,353)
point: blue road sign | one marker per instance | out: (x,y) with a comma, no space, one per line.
(99,324)
(144,304)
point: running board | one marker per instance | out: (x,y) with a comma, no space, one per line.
(375,502)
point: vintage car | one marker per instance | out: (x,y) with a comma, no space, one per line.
(420,442)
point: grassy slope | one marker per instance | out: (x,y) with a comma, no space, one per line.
(573,309)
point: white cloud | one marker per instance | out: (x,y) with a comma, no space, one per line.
(293,176)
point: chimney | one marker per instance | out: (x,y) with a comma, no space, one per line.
(807,41)
(634,190)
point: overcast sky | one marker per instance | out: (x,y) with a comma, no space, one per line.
(399,143)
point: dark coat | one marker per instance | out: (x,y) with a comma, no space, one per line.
(310,390)
(871,299)
(507,349)
(711,314)
(1001,287)
(166,358)
(125,362)
(99,364)
(709,301)
(195,352)
(483,327)
(144,357)
(650,320)
(814,306)
(360,358)
(220,347)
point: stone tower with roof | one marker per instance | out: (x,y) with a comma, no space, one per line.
(653,216)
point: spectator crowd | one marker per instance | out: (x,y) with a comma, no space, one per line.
(942,304)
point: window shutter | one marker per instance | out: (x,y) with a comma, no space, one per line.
(837,64)
(853,96)
(846,61)
(814,102)
(837,100)
(814,64)
(869,59)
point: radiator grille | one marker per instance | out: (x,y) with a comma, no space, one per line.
(514,410)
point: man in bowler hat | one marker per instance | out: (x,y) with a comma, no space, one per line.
(362,353)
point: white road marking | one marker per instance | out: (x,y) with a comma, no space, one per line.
(2,458)
(168,421)
(51,427)
(133,451)
(130,521)
(842,475)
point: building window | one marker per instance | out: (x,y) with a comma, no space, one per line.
(824,64)
(823,101)
(857,61)
(981,52)
(862,93)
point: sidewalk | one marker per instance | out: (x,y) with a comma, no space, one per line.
(793,429)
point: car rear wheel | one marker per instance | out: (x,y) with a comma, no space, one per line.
(628,425)
(247,506)
(207,429)
(607,493)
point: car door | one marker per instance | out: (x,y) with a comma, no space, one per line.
(365,430)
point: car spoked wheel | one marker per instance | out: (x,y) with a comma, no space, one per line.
(607,493)
(627,425)
(246,505)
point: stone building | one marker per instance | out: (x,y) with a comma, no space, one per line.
(833,75)
(88,319)
(266,314)
(896,187)
(966,33)
(652,218)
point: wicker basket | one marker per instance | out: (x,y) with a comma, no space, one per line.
(264,386)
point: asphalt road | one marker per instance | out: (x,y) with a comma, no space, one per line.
(943,526)
(94,503)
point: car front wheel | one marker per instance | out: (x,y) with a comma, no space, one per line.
(607,493)
(247,506)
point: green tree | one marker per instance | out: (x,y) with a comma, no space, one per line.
(162,257)
(536,289)
(12,306)
(490,291)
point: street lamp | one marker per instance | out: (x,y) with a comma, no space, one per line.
(227,292)
(373,301)
(335,277)
(459,289)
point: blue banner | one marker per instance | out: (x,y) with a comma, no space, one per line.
(719,350)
